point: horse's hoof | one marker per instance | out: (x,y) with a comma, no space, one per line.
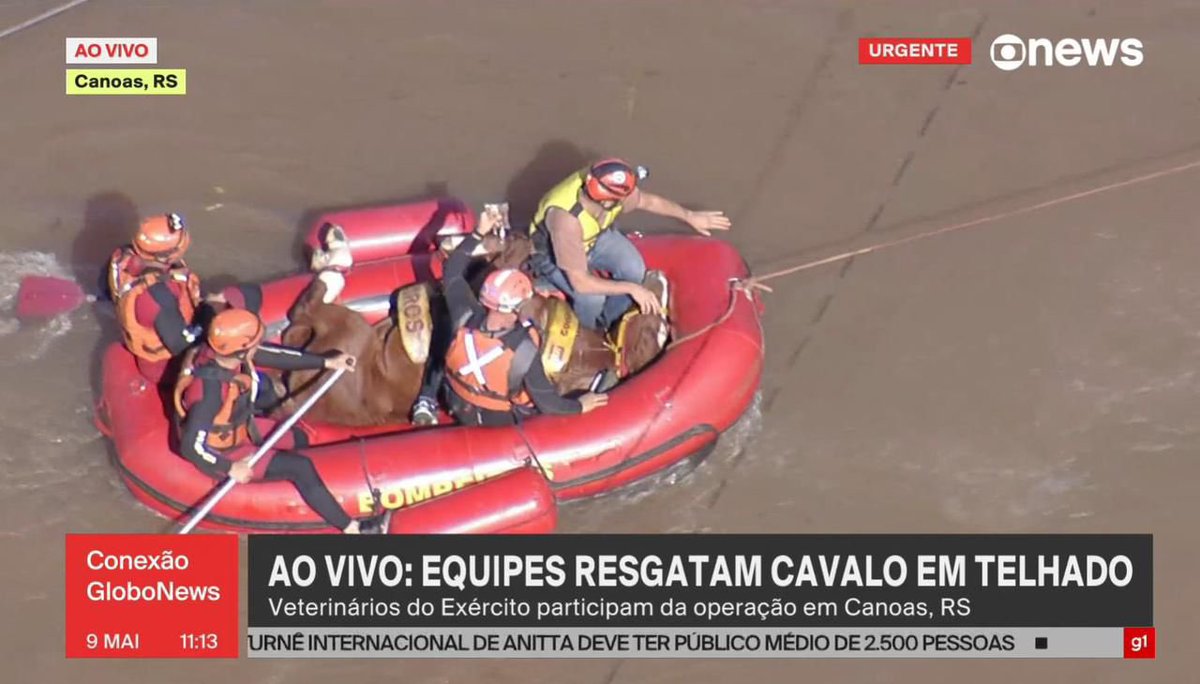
(657,277)
(319,261)
(334,252)
(604,381)
(333,236)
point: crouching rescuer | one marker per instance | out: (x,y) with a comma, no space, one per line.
(217,397)
(157,297)
(155,293)
(494,365)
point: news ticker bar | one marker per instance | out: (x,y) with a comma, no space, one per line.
(740,643)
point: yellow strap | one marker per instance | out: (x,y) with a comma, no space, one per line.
(414,321)
(622,329)
(562,329)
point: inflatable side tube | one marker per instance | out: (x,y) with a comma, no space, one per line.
(519,502)
(396,230)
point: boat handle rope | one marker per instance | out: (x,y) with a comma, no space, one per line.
(519,424)
(376,493)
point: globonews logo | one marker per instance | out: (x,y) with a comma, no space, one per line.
(1010,52)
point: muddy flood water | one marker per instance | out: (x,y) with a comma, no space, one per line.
(1035,373)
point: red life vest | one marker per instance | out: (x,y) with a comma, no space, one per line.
(489,371)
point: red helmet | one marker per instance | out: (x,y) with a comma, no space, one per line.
(234,331)
(505,290)
(612,180)
(162,237)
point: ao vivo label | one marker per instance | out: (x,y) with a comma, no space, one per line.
(152,596)
(112,51)
(914,50)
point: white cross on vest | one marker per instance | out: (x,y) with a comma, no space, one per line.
(475,362)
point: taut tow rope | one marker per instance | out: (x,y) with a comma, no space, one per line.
(748,286)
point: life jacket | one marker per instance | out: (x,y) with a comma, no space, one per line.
(565,196)
(489,371)
(231,427)
(128,279)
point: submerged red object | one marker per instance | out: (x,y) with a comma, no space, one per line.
(475,479)
(47,296)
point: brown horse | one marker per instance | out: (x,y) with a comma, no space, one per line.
(387,380)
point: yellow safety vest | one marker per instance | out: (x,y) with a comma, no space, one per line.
(565,196)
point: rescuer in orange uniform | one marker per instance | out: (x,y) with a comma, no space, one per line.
(157,297)
(216,398)
(155,293)
(494,365)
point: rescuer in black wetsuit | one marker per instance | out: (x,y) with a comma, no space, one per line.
(216,399)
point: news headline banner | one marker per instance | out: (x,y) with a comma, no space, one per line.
(700,581)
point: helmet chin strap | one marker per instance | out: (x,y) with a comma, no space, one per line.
(500,320)
(232,360)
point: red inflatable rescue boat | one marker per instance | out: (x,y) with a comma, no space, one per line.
(470,479)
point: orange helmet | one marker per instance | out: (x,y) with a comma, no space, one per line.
(234,331)
(162,237)
(612,180)
(505,290)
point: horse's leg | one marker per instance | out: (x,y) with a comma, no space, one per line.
(309,297)
(321,327)
(400,378)
(644,338)
(307,317)
(592,361)
(299,334)
(355,400)
(329,266)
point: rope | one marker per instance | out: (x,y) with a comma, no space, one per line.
(376,493)
(519,424)
(748,286)
(737,286)
(40,18)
